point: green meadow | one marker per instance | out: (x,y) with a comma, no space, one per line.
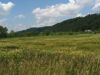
(51,55)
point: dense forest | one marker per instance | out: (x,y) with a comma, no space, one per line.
(78,24)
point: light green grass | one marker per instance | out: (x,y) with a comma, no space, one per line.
(51,55)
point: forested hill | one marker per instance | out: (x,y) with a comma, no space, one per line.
(89,22)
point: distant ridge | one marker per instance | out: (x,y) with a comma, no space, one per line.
(91,22)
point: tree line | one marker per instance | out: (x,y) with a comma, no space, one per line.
(89,23)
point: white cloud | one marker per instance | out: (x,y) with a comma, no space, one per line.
(3,20)
(56,13)
(80,15)
(85,3)
(51,14)
(20,26)
(96,7)
(97,1)
(5,8)
(72,1)
(20,16)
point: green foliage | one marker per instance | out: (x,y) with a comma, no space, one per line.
(3,32)
(90,22)
(11,34)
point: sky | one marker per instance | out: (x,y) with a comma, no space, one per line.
(23,14)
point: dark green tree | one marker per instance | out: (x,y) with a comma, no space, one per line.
(11,34)
(3,32)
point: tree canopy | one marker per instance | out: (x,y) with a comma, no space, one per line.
(3,32)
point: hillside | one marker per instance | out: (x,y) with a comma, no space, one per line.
(91,22)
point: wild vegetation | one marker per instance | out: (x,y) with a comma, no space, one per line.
(51,55)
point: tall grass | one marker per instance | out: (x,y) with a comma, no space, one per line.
(51,55)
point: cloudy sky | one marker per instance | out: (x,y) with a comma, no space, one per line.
(22,14)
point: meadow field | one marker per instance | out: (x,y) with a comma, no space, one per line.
(51,55)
